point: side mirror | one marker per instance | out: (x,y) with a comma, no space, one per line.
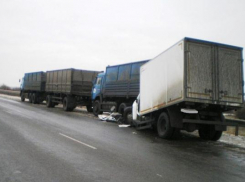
(19,80)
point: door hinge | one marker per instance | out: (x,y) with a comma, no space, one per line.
(223,92)
(208,91)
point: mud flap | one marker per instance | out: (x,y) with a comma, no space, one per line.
(175,117)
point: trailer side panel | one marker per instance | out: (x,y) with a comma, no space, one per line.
(70,81)
(161,80)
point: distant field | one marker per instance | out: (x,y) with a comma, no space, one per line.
(10,92)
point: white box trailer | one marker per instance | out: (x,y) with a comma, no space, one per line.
(192,82)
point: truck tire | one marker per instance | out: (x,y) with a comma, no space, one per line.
(34,98)
(49,102)
(22,97)
(121,108)
(96,108)
(68,104)
(89,108)
(30,97)
(65,104)
(164,128)
(208,132)
(217,135)
(126,116)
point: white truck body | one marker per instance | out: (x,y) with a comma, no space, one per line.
(192,71)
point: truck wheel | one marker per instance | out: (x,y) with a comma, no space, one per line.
(49,101)
(208,132)
(30,97)
(37,98)
(121,108)
(23,97)
(67,104)
(127,116)
(89,108)
(217,135)
(96,108)
(164,128)
(34,98)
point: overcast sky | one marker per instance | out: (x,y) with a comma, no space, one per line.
(41,35)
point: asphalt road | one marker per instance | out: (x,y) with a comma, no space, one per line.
(43,145)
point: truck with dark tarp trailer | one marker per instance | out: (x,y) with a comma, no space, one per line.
(70,87)
(33,87)
(188,87)
(117,87)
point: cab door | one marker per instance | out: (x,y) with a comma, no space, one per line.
(96,90)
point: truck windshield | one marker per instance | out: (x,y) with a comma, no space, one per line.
(135,70)
(98,81)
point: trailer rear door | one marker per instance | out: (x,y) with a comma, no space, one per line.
(230,74)
(199,67)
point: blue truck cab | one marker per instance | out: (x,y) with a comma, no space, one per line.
(116,88)
(22,82)
(97,86)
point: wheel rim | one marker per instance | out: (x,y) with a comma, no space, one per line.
(163,126)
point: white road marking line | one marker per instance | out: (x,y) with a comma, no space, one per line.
(78,141)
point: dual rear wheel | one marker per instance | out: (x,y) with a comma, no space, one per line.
(164,129)
(208,132)
(49,102)
(33,98)
(69,103)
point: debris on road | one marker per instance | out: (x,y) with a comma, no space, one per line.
(113,117)
(123,125)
